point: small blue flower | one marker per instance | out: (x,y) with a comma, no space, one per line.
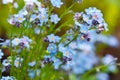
(87,19)
(1,54)
(31,74)
(56,63)
(110,61)
(31,64)
(24,42)
(19,18)
(54,18)
(56,3)
(98,17)
(65,50)
(53,38)
(23,12)
(43,18)
(33,17)
(102,76)
(37,30)
(43,10)
(83,28)
(112,68)
(52,49)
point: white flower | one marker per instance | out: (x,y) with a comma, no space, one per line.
(54,18)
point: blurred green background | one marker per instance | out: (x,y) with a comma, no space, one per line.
(110,9)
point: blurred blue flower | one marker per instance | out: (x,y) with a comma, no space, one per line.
(19,18)
(102,76)
(81,62)
(54,18)
(67,51)
(31,64)
(52,49)
(110,61)
(83,28)
(56,3)
(15,42)
(87,19)
(56,63)
(109,40)
(43,18)
(33,17)
(31,74)
(37,30)
(53,38)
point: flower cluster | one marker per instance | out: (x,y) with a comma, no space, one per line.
(91,19)
(35,17)
(21,42)
(52,50)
